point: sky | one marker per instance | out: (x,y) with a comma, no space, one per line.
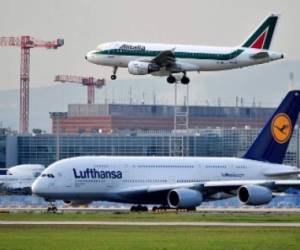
(86,23)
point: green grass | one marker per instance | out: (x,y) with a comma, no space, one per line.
(112,237)
(184,217)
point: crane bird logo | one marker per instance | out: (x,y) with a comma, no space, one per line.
(281,128)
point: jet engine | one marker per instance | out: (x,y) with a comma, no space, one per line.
(142,68)
(184,198)
(77,203)
(254,195)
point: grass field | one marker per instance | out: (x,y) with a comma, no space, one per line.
(164,238)
(185,217)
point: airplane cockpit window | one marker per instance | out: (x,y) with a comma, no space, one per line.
(36,174)
(47,175)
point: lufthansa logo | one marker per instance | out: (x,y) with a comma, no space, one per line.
(281,128)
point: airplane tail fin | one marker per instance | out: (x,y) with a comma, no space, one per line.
(272,142)
(261,38)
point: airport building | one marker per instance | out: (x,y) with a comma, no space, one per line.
(47,148)
(140,130)
(107,118)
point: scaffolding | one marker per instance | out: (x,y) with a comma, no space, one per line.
(178,139)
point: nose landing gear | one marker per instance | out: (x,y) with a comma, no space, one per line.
(114,76)
(51,208)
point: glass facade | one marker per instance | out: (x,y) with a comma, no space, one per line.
(204,142)
(2,151)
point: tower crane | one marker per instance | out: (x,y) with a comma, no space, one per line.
(26,43)
(90,82)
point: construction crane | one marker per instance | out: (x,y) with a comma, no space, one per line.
(90,82)
(26,43)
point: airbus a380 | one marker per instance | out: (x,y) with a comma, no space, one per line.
(18,179)
(169,59)
(181,182)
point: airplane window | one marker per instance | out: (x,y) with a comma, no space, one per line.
(36,174)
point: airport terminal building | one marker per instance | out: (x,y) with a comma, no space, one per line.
(107,118)
(140,130)
(47,148)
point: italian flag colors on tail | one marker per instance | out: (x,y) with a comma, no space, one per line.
(261,38)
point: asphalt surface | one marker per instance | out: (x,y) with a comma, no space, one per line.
(126,223)
(248,210)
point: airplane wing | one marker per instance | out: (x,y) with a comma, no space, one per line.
(210,187)
(287,173)
(164,58)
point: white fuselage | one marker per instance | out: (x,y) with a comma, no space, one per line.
(20,178)
(102,178)
(188,57)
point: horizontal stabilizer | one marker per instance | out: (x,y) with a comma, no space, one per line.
(260,55)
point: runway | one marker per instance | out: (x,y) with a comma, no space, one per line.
(154,224)
(248,210)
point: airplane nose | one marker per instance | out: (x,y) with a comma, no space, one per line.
(37,187)
(85,57)
(34,188)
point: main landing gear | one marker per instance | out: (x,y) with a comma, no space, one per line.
(114,76)
(139,208)
(184,79)
(167,208)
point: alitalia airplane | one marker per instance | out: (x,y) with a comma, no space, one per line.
(169,59)
(181,182)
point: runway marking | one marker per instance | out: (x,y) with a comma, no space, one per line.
(127,223)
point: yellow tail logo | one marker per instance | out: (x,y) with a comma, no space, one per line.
(281,128)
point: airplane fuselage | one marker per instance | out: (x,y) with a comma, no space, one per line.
(104,178)
(188,57)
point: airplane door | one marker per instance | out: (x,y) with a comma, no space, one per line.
(172,179)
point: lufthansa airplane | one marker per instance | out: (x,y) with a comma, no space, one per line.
(181,182)
(18,179)
(169,59)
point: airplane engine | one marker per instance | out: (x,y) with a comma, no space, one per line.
(184,198)
(254,195)
(77,203)
(142,68)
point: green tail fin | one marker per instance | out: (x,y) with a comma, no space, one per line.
(261,38)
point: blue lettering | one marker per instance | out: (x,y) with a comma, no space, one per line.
(92,173)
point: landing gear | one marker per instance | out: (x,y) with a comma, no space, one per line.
(139,208)
(160,208)
(51,208)
(191,209)
(185,80)
(171,79)
(114,76)
(167,208)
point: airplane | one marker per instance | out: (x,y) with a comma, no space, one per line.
(18,179)
(169,59)
(180,182)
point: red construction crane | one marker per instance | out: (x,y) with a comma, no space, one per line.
(26,43)
(90,82)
